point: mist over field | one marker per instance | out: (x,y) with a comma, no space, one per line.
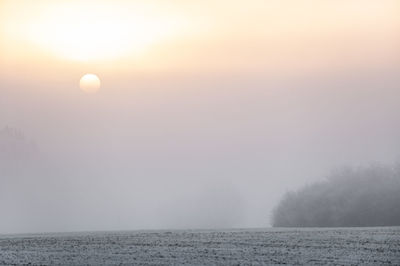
(206,157)
(195,114)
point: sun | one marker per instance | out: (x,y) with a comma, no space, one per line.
(90,83)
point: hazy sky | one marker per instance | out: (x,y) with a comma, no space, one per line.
(208,111)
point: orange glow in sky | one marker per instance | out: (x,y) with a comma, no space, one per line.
(208,36)
(85,31)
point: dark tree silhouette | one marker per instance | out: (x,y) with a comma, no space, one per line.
(368,196)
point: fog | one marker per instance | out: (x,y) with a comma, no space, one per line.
(208,128)
(208,155)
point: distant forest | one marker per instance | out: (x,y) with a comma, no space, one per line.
(368,196)
(14,147)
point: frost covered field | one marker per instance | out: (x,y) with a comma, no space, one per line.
(345,246)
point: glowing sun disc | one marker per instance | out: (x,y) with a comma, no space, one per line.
(90,83)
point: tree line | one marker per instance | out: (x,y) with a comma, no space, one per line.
(365,196)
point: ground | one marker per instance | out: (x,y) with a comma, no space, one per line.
(318,246)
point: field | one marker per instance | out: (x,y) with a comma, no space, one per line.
(344,246)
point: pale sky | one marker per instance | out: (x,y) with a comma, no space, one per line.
(208,111)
